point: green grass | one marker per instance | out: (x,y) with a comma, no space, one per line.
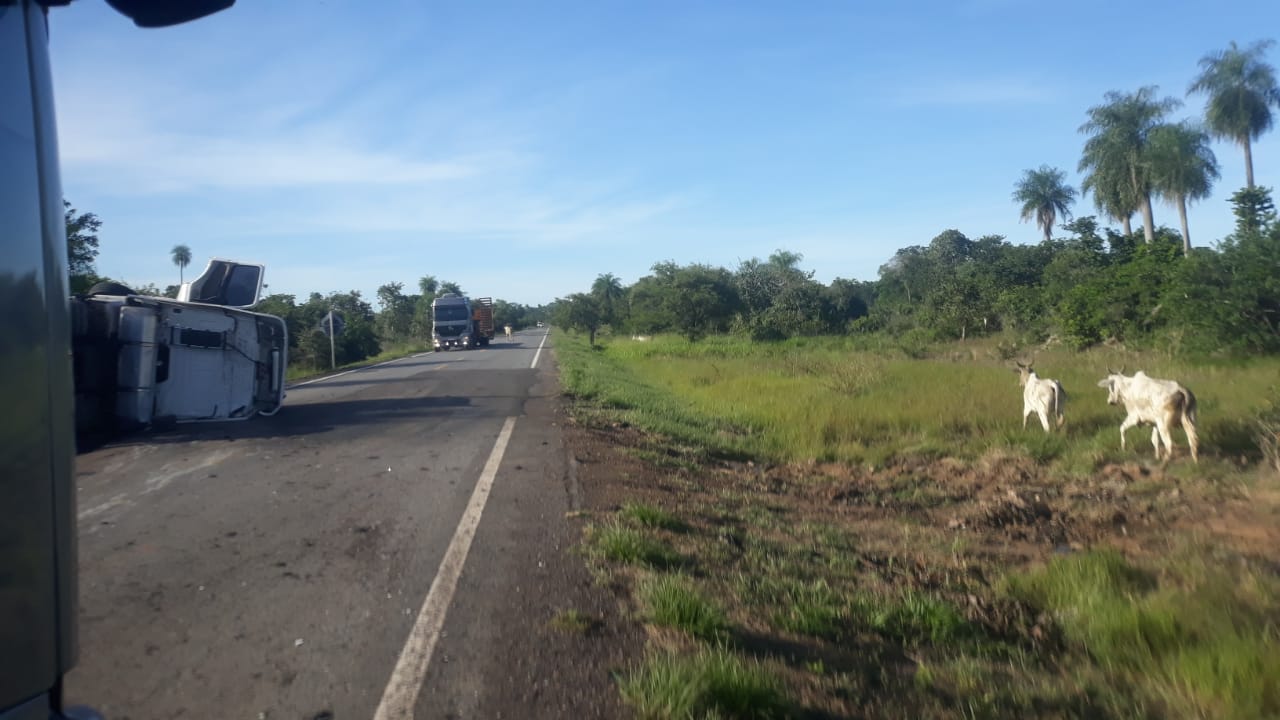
(609,389)
(573,621)
(827,399)
(618,543)
(811,608)
(1198,640)
(712,684)
(650,516)
(295,373)
(914,618)
(673,602)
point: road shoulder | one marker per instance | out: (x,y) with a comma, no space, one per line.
(530,634)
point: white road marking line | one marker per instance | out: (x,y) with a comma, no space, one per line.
(121,499)
(534,364)
(406,679)
(170,473)
(328,377)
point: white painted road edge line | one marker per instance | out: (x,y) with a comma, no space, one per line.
(411,669)
(534,364)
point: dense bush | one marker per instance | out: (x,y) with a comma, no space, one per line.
(1089,287)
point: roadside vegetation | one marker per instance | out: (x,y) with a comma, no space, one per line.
(869,401)
(896,545)
(298,372)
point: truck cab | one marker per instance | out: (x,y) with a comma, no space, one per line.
(460,322)
(140,360)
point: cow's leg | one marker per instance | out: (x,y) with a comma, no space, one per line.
(1155,440)
(1129,422)
(1044,419)
(1166,434)
(1026,413)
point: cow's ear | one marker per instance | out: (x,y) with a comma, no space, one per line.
(1104,383)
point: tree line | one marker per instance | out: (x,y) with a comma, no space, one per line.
(399,320)
(1091,286)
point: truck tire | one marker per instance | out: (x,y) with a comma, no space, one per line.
(484,342)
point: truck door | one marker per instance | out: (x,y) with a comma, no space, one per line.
(225,282)
(37,514)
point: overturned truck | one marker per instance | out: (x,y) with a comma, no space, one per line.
(141,360)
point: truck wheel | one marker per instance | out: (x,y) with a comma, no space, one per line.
(484,342)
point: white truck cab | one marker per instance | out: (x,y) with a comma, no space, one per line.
(141,360)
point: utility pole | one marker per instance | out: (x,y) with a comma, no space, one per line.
(333,362)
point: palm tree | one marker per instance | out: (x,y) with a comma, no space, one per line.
(1112,195)
(428,284)
(1115,153)
(450,287)
(1241,89)
(1044,195)
(608,291)
(181,255)
(1182,168)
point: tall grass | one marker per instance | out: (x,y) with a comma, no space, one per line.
(674,602)
(1198,639)
(617,543)
(711,684)
(826,399)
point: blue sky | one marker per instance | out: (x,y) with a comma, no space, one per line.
(522,148)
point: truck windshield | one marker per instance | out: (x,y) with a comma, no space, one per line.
(447,313)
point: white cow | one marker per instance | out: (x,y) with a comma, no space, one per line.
(1041,396)
(1162,403)
(507,330)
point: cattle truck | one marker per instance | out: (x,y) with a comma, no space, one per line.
(461,322)
(141,360)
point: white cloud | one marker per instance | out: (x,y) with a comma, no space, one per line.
(312,153)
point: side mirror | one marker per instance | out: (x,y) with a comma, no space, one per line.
(163,13)
(225,282)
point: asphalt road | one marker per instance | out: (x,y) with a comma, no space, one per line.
(282,567)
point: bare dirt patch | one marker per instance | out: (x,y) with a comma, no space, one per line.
(788,550)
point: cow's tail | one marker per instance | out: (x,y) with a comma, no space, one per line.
(1189,422)
(1059,400)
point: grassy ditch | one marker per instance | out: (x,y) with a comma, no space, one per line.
(811,530)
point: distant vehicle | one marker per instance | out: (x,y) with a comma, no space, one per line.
(140,360)
(461,322)
(539,323)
